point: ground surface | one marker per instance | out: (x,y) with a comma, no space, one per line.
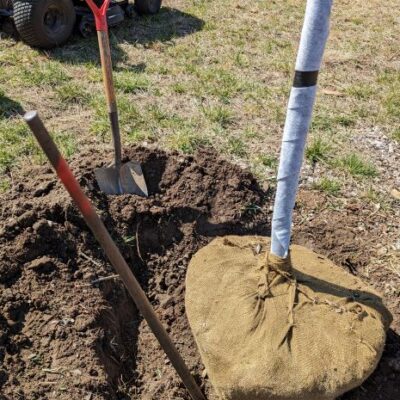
(63,333)
(214,73)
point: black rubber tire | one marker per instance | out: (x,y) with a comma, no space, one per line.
(148,7)
(29,17)
(6,4)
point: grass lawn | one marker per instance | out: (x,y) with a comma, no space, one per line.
(218,72)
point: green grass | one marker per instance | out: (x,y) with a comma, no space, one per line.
(15,143)
(329,186)
(356,166)
(72,93)
(141,135)
(179,88)
(242,60)
(321,122)
(267,160)
(5,185)
(42,74)
(130,82)
(158,115)
(362,91)
(389,85)
(389,76)
(250,133)
(218,82)
(186,141)
(219,114)
(129,116)
(318,150)
(392,103)
(396,134)
(236,147)
(344,120)
(66,143)
(326,121)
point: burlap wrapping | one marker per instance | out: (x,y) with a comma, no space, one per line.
(267,331)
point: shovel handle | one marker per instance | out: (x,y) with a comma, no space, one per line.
(114,255)
(100,15)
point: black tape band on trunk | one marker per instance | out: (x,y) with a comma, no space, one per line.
(305,79)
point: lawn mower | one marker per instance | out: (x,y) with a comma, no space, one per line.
(49,23)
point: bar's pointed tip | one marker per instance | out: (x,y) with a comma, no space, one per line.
(30,116)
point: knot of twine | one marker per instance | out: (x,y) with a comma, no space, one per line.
(278,264)
(275,270)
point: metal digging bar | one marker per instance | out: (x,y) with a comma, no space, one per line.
(114,255)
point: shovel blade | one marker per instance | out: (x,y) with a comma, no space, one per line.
(128,180)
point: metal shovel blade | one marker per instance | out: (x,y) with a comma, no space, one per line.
(128,179)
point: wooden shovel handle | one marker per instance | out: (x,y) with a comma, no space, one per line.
(100,15)
(114,255)
(106,66)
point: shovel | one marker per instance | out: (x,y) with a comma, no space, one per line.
(119,178)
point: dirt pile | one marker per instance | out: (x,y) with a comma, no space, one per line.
(62,332)
(65,332)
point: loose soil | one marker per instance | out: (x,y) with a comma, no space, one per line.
(67,333)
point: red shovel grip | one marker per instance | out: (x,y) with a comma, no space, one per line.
(100,14)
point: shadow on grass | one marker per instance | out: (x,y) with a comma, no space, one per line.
(169,24)
(8,107)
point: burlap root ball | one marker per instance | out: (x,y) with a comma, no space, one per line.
(266,328)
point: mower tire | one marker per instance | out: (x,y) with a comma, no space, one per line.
(44,23)
(6,4)
(148,7)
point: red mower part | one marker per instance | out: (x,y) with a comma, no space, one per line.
(100,14)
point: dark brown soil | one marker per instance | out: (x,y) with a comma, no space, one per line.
(66,335)
(351,234)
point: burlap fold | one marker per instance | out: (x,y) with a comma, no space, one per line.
(268,328)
